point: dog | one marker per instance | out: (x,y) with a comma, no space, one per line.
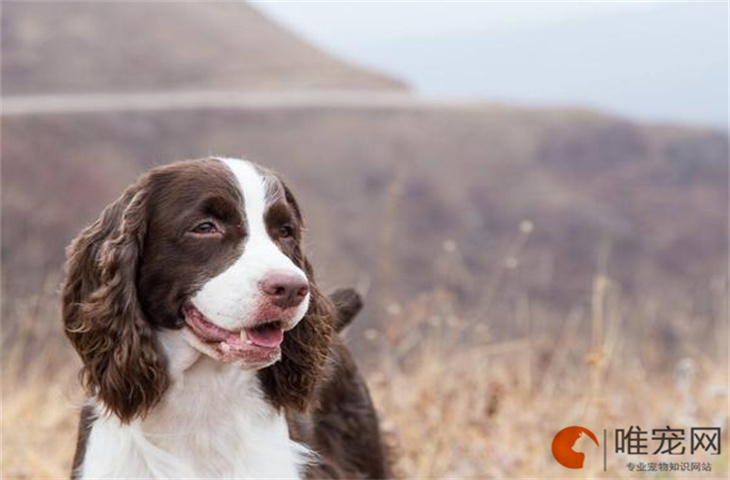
(208,349)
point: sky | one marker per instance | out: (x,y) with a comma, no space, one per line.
(663,62)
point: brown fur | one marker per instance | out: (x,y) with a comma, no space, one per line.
(344,428)
(101,314)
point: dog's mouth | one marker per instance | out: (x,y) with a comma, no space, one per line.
(268,334)
(263,340)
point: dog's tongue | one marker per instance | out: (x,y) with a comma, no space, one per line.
(265,336)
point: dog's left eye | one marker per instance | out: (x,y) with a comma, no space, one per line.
(286,231)
(205,227)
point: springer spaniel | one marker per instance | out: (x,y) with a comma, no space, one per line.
(208,350)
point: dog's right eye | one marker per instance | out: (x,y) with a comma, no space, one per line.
(205,228)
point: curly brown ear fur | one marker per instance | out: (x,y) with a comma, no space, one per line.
(293,380)
(123,366)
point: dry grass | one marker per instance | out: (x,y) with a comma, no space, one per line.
(476,413)
(464,388)
(38,425)
(462,391)
(454,402)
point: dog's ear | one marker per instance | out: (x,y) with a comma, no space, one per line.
(122,363)
(348,303)
(293,380)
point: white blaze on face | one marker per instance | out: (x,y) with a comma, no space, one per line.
(231,299)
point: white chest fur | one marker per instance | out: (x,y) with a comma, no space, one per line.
(214,422)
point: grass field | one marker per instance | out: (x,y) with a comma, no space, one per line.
(454,401)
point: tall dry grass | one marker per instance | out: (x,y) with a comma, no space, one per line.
(491,409)
(463,390)
(454,400)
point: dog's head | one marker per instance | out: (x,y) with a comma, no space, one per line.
(209,249)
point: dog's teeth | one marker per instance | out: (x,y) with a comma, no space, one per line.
(244,337)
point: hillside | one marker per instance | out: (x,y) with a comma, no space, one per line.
(408,200)
(413,199)
(72,47)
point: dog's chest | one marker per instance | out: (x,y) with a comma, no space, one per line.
(213,423)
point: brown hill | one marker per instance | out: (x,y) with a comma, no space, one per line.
(69,47)
(415,198)
(496,206)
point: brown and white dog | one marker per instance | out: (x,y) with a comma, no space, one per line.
(208,350)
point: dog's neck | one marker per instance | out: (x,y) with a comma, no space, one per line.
(214,421)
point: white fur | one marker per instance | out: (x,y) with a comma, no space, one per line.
(230,298)
(213,422)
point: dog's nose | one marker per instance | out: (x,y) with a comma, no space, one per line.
(284,289)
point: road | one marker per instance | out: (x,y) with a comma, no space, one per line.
(236,100)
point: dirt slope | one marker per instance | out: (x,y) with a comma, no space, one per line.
(64,47)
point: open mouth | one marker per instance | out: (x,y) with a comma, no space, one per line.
(264,338)
(268,334)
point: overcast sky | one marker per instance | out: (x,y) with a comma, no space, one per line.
(343,23)
(665,62)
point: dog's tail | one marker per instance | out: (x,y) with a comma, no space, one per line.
(348,304)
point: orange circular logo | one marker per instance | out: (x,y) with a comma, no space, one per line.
(564,442)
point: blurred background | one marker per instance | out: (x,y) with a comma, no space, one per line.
(533,198)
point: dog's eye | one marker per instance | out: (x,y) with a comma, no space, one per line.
(286,230)
(205,228)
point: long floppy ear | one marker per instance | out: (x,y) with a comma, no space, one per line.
(293,380)
(122,363)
